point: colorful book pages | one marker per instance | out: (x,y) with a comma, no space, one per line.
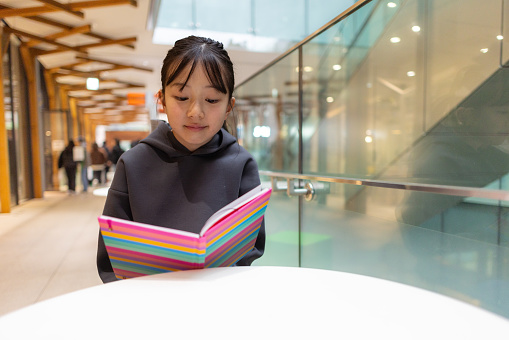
(235,235)
(137,249)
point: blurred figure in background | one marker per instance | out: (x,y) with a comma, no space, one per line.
(66,160)
(106,151)
(116,152)
(81,155)
(98,162)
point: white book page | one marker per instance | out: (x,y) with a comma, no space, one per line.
(229,208)
(150,226)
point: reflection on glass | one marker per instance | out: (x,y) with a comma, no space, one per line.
(428,109)
(466,149)
(267,116)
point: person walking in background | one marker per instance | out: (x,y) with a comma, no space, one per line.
(66,160)
(116,152)
(82,156)
(98,161)
(107,154)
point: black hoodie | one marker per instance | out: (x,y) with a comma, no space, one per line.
(161,182)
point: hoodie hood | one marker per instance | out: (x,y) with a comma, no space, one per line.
(162,138)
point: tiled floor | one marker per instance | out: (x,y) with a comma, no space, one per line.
(48,248)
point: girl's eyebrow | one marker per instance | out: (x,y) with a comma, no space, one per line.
(182,85)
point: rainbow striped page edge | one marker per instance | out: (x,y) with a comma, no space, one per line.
(138,249)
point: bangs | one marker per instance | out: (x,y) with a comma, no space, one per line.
(210,66)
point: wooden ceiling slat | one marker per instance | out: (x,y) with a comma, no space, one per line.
(59,6)
(114,63)
(41,39)
(106,43)
(54,23)
(64,33)
(74,7)
(100,3)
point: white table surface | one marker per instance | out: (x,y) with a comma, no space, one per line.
(253,303)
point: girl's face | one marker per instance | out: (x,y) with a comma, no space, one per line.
(197,112)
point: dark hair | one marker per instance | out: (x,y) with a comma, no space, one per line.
(206,52)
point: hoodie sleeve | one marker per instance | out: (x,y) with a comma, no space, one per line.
(250,180)
(117,205)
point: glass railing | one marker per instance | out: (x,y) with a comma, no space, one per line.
(403,106)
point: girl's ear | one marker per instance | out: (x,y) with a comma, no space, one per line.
(160,97)
(160,104)
(230,106)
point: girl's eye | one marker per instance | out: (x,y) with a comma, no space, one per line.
(180,99)
(212,101)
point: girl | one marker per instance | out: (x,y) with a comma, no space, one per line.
(188,169)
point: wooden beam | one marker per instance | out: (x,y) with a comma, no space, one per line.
(101,3)
(62,72)
(25,11)
(29,63)
(53,23)
(64,33)
(71,65)
(41,39)
(6,40)
(50,88)
(107,43)
(5,175)
(114,63)
(62,7)
(30,11)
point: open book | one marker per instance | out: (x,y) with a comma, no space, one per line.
(138,249)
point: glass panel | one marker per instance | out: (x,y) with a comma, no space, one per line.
(266,120)
(505,33)
(267,116)
(285,25)
(461,54)
(236,15)
(10,124)
(320,12)
(400,92)
(364,237)
(21,117)
(175,14)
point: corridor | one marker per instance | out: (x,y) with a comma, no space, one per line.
(47,248)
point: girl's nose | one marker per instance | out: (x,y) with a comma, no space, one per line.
(195,111)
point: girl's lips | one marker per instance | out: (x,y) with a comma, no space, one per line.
(195,127)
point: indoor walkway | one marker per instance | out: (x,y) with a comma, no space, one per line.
(48,248)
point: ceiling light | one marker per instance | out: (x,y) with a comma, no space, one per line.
(93,84)
(330,99)
(500,37)
(484,50)
(410,73)
(395,40)
(336,67)
(308,69)
(368,139)
(391,4)
(416,28)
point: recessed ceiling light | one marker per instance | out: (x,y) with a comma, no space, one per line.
(416,28)
(336,67)
(395,40)
(391,4)
(484,50)
(500,37)
(410,73)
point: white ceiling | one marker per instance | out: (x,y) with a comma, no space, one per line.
(119,22)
